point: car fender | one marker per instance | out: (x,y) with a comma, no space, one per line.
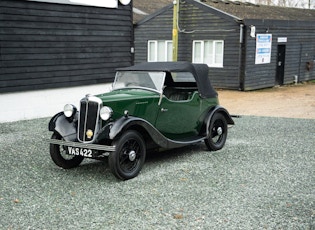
(65,127)
(214,110)
(220,109)
(124,123)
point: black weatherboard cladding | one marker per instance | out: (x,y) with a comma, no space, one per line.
(197,22)
(299,50)
(292,28)
(45,45)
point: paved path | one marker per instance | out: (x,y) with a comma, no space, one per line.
(293,101)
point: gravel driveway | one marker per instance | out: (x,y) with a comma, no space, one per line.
(264,178)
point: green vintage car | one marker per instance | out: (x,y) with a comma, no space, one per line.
(151,105)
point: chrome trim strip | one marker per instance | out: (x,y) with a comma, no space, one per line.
(85,119)
(83,145)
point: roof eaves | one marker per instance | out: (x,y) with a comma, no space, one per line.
(245,10)
(151,16)
(213,9)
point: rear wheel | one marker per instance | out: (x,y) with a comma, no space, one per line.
(127,161)
(217,132)
(60,156)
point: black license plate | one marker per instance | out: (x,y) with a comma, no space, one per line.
(80,151)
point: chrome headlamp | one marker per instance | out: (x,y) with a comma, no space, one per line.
(69,110)
(105,113)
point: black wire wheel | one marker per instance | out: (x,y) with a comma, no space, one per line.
(218,130)
(127,161)
(59,154)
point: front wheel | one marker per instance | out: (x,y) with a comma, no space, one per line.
(127,161)
(60,156)
(218,130)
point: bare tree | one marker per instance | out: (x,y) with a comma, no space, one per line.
(310,4)
(263,2)
(287,3)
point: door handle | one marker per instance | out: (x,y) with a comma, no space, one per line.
(164,110)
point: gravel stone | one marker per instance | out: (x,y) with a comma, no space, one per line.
(264,178)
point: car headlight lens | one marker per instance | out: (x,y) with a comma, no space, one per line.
(105,113)
(69,110)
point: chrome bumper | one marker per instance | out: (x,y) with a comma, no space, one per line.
(83,145)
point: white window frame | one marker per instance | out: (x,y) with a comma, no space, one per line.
(165,54)
(213,55)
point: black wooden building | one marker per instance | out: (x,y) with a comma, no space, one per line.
(48,44)
(246,46)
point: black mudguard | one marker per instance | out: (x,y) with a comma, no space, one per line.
(65,127)
(214,110)
(220,109)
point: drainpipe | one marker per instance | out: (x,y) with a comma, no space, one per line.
(241,57)
(175,29)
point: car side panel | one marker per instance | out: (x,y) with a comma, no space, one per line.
(183,119)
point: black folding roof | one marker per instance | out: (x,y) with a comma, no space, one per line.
(199,71)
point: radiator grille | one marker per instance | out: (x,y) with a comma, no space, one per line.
(89,118)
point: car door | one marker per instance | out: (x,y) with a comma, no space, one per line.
(179,119)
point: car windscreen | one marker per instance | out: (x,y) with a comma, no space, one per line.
(142,79)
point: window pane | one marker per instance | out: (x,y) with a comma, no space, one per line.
(197,55)
(208,53)
(169,51)
(183,77)
(151,51)
(161,51)
(219,52)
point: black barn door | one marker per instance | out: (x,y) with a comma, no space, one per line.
(280,65)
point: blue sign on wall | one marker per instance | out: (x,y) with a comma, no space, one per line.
(263,48)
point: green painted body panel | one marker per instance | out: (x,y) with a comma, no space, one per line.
(183,119)
(174,119)
(139,103)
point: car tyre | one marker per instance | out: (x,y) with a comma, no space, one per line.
(60,157)
(127,161)
(218,130)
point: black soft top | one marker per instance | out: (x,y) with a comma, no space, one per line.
(199,71)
